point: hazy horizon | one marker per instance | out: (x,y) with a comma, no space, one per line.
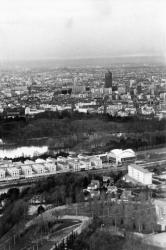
(75,29)
(108,62)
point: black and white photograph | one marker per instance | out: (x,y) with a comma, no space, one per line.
(82,124)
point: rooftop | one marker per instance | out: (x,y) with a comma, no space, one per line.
(123,153)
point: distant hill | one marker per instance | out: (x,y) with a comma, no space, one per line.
(102,61)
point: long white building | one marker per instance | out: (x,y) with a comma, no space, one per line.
(140,174)
(50,166)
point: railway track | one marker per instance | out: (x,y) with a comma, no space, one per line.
(153,163)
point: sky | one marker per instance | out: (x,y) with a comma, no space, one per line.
(64,29)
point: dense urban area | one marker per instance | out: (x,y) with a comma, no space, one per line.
(82,157)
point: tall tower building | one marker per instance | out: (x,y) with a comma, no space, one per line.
(108,80)
(75,85)
(75,82)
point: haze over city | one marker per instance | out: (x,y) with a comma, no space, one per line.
(82,125)
(65,29)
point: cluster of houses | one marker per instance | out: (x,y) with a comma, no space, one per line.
(93,190)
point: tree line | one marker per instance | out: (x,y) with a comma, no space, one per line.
(72,129)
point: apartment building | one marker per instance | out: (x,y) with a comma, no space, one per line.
(140,174)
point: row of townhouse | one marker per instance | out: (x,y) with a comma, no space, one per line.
(88,162)
(78,163)
(27,170)
(12,172)
(40,166)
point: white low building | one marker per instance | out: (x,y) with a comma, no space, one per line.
(63,165)
(140,174)
(39,160)
(26,170)
(13,172)
(29,162)
(85,164)
(30,111)
(119,156)
(82,110)
(103,157)
(17,164)
(146,110)
(95,162)
(160,206)
(74,164)
(51,167)
(50,160)
(2,174)
(111,189)
(6,163)
(38,168)
(61,160)
(94,185)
